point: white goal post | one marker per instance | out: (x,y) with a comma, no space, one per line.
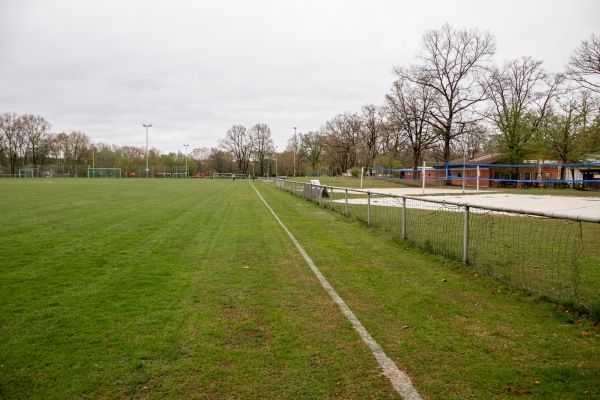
(222,175)
(104,173)
(25,173)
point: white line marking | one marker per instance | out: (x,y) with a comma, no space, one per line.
(400,381)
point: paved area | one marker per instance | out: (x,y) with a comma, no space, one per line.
(420,191)
(573,207)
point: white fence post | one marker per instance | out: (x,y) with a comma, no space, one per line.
(368,208)
(346,202)
(466,237)
(404,218)
(331,198)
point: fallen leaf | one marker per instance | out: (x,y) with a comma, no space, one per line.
(246,267)
(584,333)
(537,382)
(444,280)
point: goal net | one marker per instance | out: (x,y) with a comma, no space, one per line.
(25,173)
(222,175)
(104,173)
(179,175)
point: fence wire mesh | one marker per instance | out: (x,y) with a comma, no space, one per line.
(544,256)
(435,227)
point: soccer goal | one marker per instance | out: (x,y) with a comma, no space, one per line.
(104,173)
(240,176)
(179,175)
(25,173)
(222,175)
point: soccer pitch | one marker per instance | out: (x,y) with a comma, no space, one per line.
(191,289)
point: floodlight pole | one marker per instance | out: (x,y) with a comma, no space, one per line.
(464,149)
(186,167)
(147,126)
(464,162)
(276,174)
(294,152)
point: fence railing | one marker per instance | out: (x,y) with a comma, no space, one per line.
(542,253)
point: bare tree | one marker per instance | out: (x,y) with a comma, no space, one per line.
(520,95)
(73,147)
(408,107)
(262,144)
(392,142)
(293,146)
(342,134)
(564,131)
(199,157)
(371,132)
(220,160)
(239,143)
(584,64)
(451,62)
(35,130)
(133,154)
(312,148)
(593,137)
(12,133)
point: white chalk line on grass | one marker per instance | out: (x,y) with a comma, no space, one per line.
(400,381)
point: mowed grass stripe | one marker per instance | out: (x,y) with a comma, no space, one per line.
(137,289)
(456,334)
(401,382)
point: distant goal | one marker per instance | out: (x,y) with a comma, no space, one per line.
(104,173)
(222,175)
(228,175)
(25,173)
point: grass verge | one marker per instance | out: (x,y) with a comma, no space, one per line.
(177,289)
(456,333)
(190,289)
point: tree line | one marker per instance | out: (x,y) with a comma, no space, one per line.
(453,99)
(450,99)
(26,141)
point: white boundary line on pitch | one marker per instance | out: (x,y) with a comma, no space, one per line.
(400,381)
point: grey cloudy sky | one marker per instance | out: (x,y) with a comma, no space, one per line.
(195,68)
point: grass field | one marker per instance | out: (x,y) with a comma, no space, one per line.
(190,289)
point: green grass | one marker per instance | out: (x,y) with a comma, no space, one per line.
(137,289)
(541,256)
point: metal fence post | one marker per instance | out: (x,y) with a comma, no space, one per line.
(466,237)
(404,218)
(331,197)
(346,202)
(368,208)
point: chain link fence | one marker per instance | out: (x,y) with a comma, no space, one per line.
(553,257)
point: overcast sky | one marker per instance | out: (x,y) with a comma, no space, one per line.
(193,69)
